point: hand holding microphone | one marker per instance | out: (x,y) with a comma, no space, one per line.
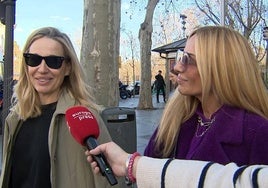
(85,130)
(115,156)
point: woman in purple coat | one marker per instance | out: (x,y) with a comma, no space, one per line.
(220,113)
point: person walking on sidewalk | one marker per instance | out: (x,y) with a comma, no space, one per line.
(160,86)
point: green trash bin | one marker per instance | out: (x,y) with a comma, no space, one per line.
(121,124)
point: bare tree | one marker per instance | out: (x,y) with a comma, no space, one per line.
(126,70)
(243,15)
(100,48)
(131,45)
(145,38)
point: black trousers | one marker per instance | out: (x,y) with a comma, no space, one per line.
(158,89)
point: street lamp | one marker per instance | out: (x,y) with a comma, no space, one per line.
(183,17)
(265,37)
(2,12)
(223,12)
(8,7)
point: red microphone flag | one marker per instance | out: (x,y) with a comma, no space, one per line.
(81,123)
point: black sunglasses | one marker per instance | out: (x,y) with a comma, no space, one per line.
(184,58)
(53,61)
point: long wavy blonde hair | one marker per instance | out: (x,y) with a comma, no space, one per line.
(228,69)
(25,98)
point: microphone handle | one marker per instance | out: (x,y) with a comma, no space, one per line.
(104,166)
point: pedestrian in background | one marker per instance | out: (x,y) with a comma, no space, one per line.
(173,77)
(160,86)
(38,150)
(220,113)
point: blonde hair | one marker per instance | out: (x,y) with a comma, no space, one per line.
(228,69)
(25,98)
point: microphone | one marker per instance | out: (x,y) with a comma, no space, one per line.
(84,128)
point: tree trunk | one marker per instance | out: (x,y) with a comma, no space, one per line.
(145,38)
(100,49)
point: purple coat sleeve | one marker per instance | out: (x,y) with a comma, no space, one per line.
(150,148)
(259,152)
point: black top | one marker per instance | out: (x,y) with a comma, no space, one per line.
(30,165)
(159,82)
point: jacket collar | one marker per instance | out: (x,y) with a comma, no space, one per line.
(226,129)
(232,126)
(228,125)
(65,101)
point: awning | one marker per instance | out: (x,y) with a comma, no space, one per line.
(171,47)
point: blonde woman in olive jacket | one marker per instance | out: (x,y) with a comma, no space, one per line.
(69,167)
(39,150)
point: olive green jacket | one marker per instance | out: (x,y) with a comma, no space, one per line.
(69,167)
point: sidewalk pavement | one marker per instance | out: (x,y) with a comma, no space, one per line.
(146,120)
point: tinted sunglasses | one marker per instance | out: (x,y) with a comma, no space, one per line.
(52,61)
(184,58)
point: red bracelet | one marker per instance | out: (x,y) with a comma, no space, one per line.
(130,167)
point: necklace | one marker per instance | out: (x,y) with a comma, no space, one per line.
(203,127)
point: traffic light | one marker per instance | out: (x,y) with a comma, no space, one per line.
(2,12)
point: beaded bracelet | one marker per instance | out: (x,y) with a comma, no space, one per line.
(128,182)
(129,167)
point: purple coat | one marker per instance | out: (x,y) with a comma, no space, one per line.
(236,135)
